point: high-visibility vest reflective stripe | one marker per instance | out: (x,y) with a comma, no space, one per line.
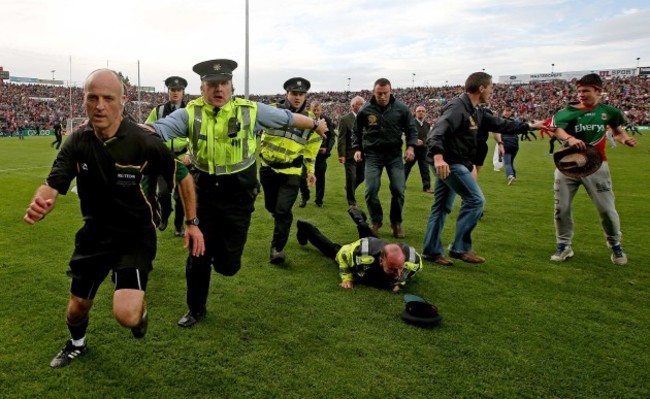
(159,111)
(207,151)
(291,134)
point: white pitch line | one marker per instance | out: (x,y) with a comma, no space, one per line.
(17,169)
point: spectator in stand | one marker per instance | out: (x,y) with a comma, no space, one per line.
(44,104)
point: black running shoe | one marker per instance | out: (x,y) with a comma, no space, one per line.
(276,257)
(67,354)
(191,318)
(140,330)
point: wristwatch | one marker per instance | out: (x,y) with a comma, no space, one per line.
(192,222)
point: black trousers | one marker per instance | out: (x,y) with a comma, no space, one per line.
(355,174)
(318,239)
(280,193)
(224,209)
(57,141)
(423,165)
(319,171)
(179,211)
(324,244)
(164,199)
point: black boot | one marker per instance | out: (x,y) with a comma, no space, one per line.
(361,220)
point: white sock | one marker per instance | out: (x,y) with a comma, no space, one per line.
(79,342)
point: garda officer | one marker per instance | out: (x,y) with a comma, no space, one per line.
(369,260)
(222,146)
(283,153)
(175,92)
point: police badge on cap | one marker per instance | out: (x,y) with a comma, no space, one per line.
(297,84)
(175,82)
(215,69)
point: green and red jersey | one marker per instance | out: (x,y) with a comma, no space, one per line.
(589,125)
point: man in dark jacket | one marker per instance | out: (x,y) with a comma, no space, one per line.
(508,148)
(354,171)
(377,137)
(58,134)
(452,145)
(423,128)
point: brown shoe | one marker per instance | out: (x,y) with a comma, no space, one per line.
(441,260)
(469,257)
(376,227)
(398,232)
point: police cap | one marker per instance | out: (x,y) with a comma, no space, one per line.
(175,82)
(215,69)
(297,84)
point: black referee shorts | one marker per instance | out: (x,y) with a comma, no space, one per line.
(98,252)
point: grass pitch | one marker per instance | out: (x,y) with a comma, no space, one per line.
(518,326)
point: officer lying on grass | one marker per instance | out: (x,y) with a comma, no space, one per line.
(369,260)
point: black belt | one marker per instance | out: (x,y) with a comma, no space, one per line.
(296,163)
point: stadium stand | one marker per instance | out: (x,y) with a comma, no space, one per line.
(35,107)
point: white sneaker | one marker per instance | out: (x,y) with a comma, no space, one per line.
(511,179)
(618,256)
(562,253)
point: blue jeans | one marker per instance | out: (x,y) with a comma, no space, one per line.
(395,169)
(460,181)
(509,162)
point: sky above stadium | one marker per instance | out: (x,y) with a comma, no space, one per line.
(335,44)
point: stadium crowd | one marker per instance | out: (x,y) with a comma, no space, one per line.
(37,107)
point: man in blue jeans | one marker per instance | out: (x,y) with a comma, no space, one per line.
(377,137)
(508,148)
(452,145)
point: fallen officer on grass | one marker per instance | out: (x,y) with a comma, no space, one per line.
(369,260)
